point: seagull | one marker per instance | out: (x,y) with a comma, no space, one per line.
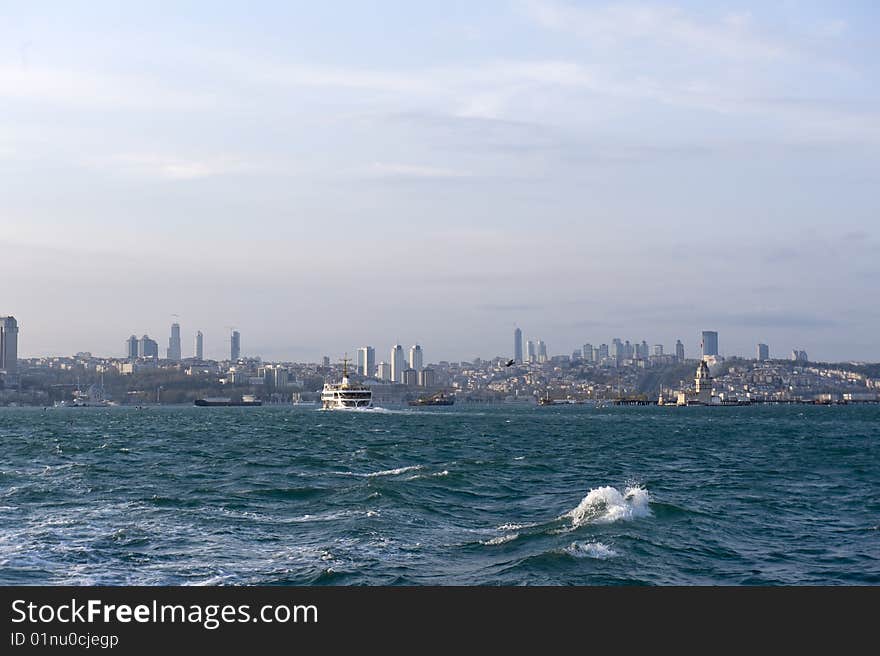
(510,363)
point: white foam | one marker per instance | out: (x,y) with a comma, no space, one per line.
(604,505)
(590,550)
(394,472)
(501,539)
(515,527)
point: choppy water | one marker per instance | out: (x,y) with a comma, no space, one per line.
(494,495)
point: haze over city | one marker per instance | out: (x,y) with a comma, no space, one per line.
(323,179)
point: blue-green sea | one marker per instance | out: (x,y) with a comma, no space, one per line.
(467,495)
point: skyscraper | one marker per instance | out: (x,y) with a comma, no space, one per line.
(415,357)
(131,348)
(530,351)
(587,350)
(366,360)
(517,346)
(235,346)
(148,348)
(710,343)
(200,346)
(173,352)
(397,363)
(658,349)
(763,352)
(427,378)
(679,350)
(383,371)
(8,345)
(542,351)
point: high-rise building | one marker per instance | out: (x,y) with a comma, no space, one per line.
(587,350)
(658,349)
(173,352)
(542,351)
(325,362)
(397,363)
(679,350)
(616,352)
(148,348)
(383,371)
(530,351)
(366,360)
(603,352)
(235,346)
(643,350)
(8,345)
(427,378)
(799,356)
(710,343)
(517,346)
(131,347)
(409,376)
(763,352)
(200,346)
(415,357)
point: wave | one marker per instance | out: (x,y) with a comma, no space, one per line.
(596,550)
(384,472)
(501,539)
(605,505)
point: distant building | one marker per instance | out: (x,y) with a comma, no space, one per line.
(427,378)
(587,350)
(603,353)
(274,375)
(517,346)
(542,351)
(148,348)
(397,363)
(325,362)
(200,346)
(616,352)
(384,371)
(710,343)
(235,346)
(366,360)
(703,384)
(799,356)
(409,376)
(8,345)
(679,350)
(131,348)
(657,350)
(173,352)
(763,352)
(530,351)
(415,357)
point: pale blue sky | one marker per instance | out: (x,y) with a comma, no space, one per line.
(322,175)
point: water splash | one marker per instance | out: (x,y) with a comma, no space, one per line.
(605,505)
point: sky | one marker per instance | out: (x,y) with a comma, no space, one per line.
(322,176)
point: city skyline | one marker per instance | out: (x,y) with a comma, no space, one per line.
(581,170)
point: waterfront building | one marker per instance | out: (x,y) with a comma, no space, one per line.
(427,377)
(415,357)
(8,345)
(763,352)
(366,360)
(397,363)
(409,376)
(173,352)
(200,346)
(235,346)
(517,346)
(384,371)
(710,343)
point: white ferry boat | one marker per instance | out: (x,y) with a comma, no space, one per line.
(345,395)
